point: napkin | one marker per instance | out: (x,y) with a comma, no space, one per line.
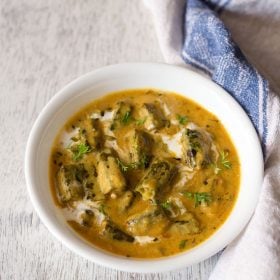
(191,33)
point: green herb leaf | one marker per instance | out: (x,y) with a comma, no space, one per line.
(143,161)
(223,163)
(182,244)
(182,119)
(123,167)
(141,121)
(216,168)
(126,118)
(224,160)
(199,197)
(80,150)
(134,165)
(166,204)
(188,194)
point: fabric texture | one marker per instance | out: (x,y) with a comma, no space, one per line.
(206,44)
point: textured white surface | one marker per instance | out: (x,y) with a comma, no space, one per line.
(44,44)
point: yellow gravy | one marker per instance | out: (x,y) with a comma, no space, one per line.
(144,173)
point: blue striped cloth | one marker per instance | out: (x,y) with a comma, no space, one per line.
(208,45)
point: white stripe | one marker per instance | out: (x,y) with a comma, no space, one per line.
(196,62)
(261,93)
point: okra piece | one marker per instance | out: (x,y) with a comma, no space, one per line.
(157,176)
(109,175)
(70,182)
(140,145)
(92,131)
(185,224)
(196,149)
(123,115)
(112,231)
(153,115)
(125,200)
(148,222)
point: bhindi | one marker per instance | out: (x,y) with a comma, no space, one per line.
(157,176)
(109,175)
(185,224)
(153,115)
(70,182)
(196,149)
(114,232)
(91,129)
(140,145)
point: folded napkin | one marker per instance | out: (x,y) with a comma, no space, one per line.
(191,33)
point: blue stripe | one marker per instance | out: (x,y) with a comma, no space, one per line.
(208,45)
(265,123)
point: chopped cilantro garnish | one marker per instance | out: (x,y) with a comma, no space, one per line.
(188,194)
(166,204)
(182,119)
(80,150)
(199,197)
(224,160)
(126,118)
(141,121)
(143,161)
(123,167)
(223,163)
(216,168)
(133,165)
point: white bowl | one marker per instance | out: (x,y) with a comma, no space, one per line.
(143,75)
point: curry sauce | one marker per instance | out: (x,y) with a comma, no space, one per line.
(144,173)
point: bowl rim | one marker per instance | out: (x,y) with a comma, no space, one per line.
(106,259)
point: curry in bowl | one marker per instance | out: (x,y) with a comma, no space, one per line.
(144,173)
